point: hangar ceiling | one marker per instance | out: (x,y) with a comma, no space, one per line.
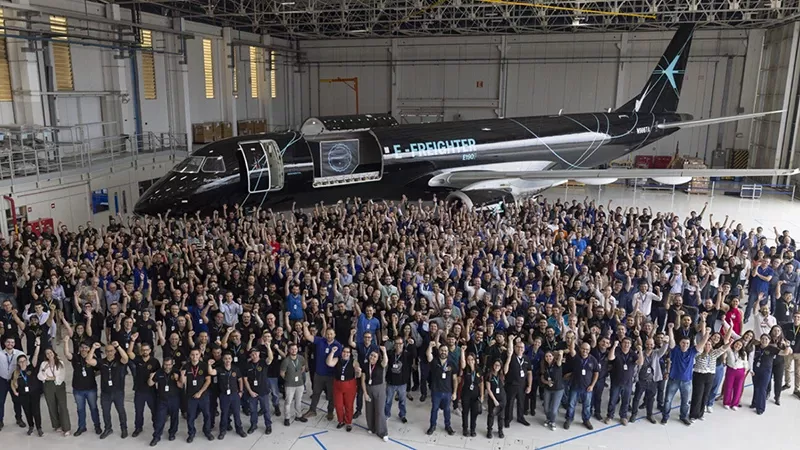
(314,19)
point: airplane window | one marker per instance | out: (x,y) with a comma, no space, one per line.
(191,164)
(214,165)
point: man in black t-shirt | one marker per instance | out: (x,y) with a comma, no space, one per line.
(444,382)
(144,394)
(623,362)
(398,375)
(196,376)
(256,386)
(585,372)
(84,384)
(112,388)
(167,383)
(519,381)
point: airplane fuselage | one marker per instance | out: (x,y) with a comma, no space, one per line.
(387,162)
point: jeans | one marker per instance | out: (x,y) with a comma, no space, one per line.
(440,400)
(673,386)
(597,396)
(274,392)
(390,392)
(256,403)
(552,399)
(83,398)
(587,403)
(621,391)
(719,374)
(646,389)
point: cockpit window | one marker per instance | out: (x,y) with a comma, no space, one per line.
(191,164)
(214,165)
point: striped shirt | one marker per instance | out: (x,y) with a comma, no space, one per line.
(707,362)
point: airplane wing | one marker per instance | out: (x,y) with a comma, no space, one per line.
(605,176)
(714,120)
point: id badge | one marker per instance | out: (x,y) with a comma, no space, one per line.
(342,377)
(279,357)
(758,364)
(369,382)
(236,359)
(327,350)
(583,372)
(83,373)
(194,382)
(200,321)
(649,370)
(522,374)
(110,383)
(126,346)
(444,375)
(228,392)
(255,382)
(471,387)
(27,389)
(497,391)
(792,343)
(166,388)
(624,367)
(296,379)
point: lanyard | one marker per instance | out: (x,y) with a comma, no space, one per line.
(584,362)
(625,357)
(344,365)
(294,364)
(397,357)
(9,360)
(195,370)
(472,377)
(496,380)
(24,376)
(371,368)
(520,361)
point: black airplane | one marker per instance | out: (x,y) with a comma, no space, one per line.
(473,162)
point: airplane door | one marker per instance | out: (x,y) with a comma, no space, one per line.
(256,165)
(275,160)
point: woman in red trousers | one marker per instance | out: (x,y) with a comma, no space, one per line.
(735,375)
(345,373)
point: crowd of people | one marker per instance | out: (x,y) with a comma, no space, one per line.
(544,306)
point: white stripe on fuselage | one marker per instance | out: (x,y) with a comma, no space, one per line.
(546,142)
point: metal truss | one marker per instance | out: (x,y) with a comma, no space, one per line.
(315,19)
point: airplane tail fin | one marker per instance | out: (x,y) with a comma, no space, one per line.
(663,89)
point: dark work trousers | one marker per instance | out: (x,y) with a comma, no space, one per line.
(424,375)
(661,388)
(262,402)
(359,398)
(213,403)
(701,389)
(778,368)
(321,383)
(230,405)
(5,391)
(597,397)
(31,404)
(117,399)
(196,406)
(515,394)
(496,411)
(646,389)
(167,407)
(141,398)
(470,407)
(530,399)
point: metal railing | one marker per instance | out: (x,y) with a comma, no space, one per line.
(48,152)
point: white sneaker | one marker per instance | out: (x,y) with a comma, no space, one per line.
(734,408)
(709,409)
(386,439)
(727,407)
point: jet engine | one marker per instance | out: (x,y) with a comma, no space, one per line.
(482,199)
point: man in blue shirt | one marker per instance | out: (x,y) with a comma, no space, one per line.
(680,373)
(759,284)
(295,303)
(366,322)
(323,379)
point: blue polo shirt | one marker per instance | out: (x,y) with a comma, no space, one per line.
(294,306)
(321,351)
(365,325)
(682,363)
(760,285)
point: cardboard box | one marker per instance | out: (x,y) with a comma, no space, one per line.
(245,127)
(218,130)
(259,126)
(227,130)
(202,133)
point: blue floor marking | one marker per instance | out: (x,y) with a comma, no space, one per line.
(313,434)
(355,424)
(319,442)
(574,438)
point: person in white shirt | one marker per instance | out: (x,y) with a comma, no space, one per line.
(8,364)
(763,321)
(231,310)
(643,300)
